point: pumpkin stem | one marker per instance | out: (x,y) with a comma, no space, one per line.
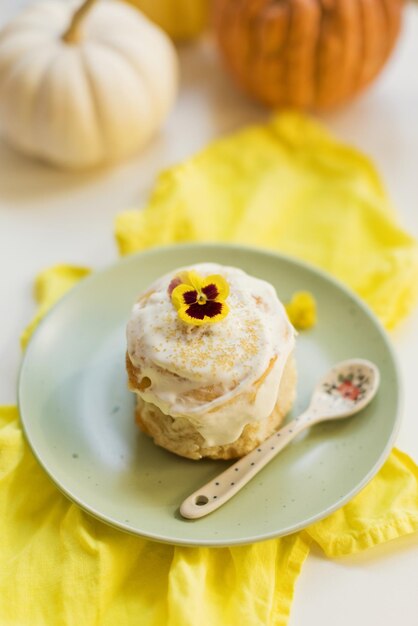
(73,32)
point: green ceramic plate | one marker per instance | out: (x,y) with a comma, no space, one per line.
(78,415)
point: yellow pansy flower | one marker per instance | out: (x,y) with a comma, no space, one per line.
(301,310)
(199,300)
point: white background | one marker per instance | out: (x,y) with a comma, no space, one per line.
(49,217)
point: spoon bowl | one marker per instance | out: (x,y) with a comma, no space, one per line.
(345,390)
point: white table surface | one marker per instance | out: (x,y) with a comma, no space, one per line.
(49,217)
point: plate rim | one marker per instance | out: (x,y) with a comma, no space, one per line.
(126,260)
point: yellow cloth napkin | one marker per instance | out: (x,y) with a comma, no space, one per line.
(50,286)
(289,186)
(61,567)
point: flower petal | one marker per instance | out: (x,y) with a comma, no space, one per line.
(185,317)
(175,282)
(210,291)
(196,311)
(194,314)
(195,280)
(220,284)
(183,295)
(190,297)
(209,309)
(223,312)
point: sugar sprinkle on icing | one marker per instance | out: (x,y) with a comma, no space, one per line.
(220,376)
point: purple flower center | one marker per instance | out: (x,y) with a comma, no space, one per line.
(209,309)
(211,291)
(190,297)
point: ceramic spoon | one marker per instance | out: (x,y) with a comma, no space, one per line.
(346,389)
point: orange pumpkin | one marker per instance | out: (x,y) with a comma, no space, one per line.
(310,54)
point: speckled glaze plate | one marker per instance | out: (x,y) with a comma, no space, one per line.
(78,415)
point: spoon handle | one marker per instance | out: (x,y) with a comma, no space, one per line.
(221,489)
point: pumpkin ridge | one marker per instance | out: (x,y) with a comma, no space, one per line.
(316,72)
(384,42)
(251,56)
(13,71)
(109,43)
(367,40)
(326,76)
(275,55)
(393,16)
(338,74)
(40,87)
(387,37)
(287,39)
(350,42)
(248,56)
(392,20)
(331,75)
(305,19)
(101,131)
(362,36)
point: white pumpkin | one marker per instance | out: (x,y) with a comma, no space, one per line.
(82,88)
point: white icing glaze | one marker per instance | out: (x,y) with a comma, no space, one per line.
(210,374)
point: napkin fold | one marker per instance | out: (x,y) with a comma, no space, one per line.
(286,185)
